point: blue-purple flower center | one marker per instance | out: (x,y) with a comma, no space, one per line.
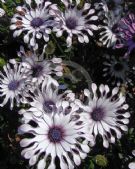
(49,106)
(118,67)
(98,114)
(37,22)
(71,22)
(13,85)
(37,69)
(55,134)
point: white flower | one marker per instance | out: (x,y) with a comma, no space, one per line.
(12,82)
(38,67)
(46,98)
(75,22)
(107,34)
(132,164)
(35,23)
(61,135)
(106,112)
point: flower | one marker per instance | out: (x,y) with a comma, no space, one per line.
(35,23)
(127,33)
(12,81)
(106,112)
(61,135)
(38,67)
(46,98)
(75,22)
(107,32)
(132,164)
(118,71)
(107,36)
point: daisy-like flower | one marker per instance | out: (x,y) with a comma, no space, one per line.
(35,22)
(132,164)
(127,33)
(117,71)
(12,81)
(62,136)
(106,112)
(46,98)
(107,35)
(75,22)
(38,67)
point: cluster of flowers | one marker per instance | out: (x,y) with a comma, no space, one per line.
(59,125)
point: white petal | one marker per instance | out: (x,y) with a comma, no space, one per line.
(133,152)
(41,164)
(69,41)
(87,93)
(33,160)
(85,148)
(77,159)
(59,33)
(94,87)
(94,18)
(132,165)
(56,60)
(26,38)
(81,39)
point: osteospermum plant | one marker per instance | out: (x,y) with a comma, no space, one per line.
(60,126)
(33,22)
(75,22)
(106,113)
(46,98)
(13,81)
(38,66)
(55,136)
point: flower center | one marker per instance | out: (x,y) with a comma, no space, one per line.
(37,22)
(118,67)
(71,22)
(97,114)
(37,70)
(49,106)
(55,134)
(13,85)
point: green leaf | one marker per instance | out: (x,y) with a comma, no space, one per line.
(91,166)
(50,49)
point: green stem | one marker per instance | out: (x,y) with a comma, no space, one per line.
(57,44)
